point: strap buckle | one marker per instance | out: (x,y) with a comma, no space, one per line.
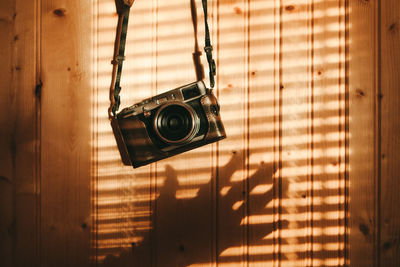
(213,67)
(118,59)
(117,98)
(211,63)
(208,49)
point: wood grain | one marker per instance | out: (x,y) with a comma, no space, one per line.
(389,155)
(295,148)
(363,191)
(233,173)
(27,84)
(6,151)
(65,132)
(19,134)
(262,227)
(327,75)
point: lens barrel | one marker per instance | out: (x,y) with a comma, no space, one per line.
(176,123)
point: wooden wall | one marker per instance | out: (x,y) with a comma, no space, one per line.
(374,129)
(45,169)
(307,176)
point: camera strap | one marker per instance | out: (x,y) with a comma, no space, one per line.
(123,8)
(208,48)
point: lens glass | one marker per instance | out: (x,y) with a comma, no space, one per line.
(174,123)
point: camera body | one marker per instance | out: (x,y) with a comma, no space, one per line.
(168,124)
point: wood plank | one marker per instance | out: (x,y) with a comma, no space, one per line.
(262,219)
(65,132)
(327,75)
(277,180)
(389,155)
(295,147)
(363,191)
(232,173)
(7,208)
(19,143)
(27,134)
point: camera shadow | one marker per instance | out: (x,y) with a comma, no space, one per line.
(184,229)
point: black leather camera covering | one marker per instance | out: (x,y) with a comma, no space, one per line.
(211,109)
(120,142)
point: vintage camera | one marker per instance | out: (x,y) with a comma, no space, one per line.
(168,124)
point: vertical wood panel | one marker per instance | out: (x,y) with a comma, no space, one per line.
(327,114)
(261,133)
(19,138)
(277,180)
(295,125)
(363,88)
(232,170)
(65,132)
(7,179)
(389,133)
(27,84)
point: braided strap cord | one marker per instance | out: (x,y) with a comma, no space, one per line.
(208,47)
(118,59)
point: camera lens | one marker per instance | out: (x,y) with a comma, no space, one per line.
(175,123)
